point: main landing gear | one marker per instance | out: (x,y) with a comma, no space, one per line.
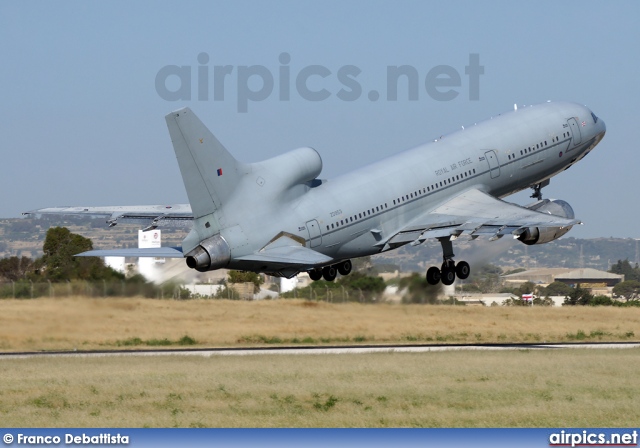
(329,273)
(450,269)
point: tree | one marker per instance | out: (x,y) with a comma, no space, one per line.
(542,301)
(58,262)
(629,289)
(623,267)
(246,277)
(15,268)
(358,280)
(578,296)
(601,300)
(515,301)
(484,278)
(524,288)
(557,289)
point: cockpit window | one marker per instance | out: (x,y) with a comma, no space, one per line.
(595,119)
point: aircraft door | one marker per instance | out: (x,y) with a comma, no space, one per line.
(494,165)
(315,236)
(575,131)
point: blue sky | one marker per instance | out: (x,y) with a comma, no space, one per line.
(83,123)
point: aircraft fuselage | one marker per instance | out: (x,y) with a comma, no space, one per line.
(348,216)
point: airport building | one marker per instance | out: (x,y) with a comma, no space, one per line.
(599,282)
(590,279)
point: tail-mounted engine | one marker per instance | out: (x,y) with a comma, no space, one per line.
(540,235)
(212,253)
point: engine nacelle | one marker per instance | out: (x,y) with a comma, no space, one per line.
(212,253)
(541,235)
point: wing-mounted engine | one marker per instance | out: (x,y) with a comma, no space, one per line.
(541,235)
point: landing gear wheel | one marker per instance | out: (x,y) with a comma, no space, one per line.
(448,273)
(315,274)
(448,277)
(463,270)
(329,273)
(433,275)
(344,268)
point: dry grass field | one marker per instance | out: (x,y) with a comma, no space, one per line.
(551,388)
(516,388)
(79,323)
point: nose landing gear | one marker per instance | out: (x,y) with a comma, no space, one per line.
(449,269)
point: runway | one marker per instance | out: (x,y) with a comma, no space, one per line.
(320,350)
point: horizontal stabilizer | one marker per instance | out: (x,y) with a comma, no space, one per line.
(158,252)
(150,216)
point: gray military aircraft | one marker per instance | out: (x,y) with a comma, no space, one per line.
(278,217)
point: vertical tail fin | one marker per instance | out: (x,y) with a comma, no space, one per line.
(209,172)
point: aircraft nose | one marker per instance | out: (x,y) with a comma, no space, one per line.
(602,128)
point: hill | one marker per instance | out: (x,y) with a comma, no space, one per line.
(20,237)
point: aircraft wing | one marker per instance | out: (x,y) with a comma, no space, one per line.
(159,252)
(287,251)
(473,213)
(150,216)
(299,256)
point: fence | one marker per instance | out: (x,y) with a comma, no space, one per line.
(337,294)
(33,290)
